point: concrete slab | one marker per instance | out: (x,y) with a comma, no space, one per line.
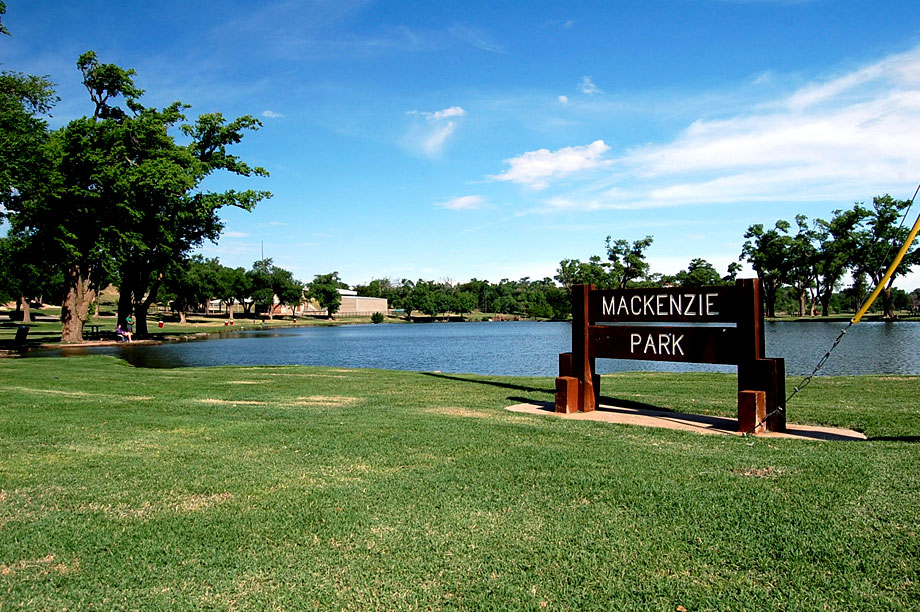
(699,423)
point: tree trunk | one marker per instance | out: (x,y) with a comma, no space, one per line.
(182,317)
(124,305)
(140,319)
(75,305)
(26,312)
(826,305)
(888,304)
(230,310)
(142,308)
(802,294)
(769,297)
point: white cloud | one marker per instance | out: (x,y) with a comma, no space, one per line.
(453,111)
(474,38)
(536,168)
(470,202)
(838,140)
(588,87)
(233,234)
(431,137)
(563,99)
(271,114)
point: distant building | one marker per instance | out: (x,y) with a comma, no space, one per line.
(353,305)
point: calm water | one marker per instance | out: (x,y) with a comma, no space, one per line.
(511,348)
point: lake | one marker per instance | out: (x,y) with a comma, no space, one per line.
(523,348)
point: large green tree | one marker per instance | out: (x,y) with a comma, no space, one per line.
(288,290)
(324,288)
(835,249)
(430,298)
(768,252)
(699,273)
(800,274)
(25,274)
(24,139)
(262,295)
(189,284)
(121,199)
(877,239)
(627,260)
(76,212)
(233,287)
(172,216)
(595,272)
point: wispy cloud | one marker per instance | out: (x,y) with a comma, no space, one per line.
(536,168)
(563,99)
(473,38)
(453,111)
(234,234)
(430,137)
(587,86)
(271,114)
(470,202)
(838,139)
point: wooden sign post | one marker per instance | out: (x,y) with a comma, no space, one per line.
(722,324)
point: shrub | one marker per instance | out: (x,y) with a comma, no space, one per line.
(377,317)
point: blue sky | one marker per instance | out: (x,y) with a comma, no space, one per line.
(449,140)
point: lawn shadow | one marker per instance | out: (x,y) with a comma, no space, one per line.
(895,439)
(491,383)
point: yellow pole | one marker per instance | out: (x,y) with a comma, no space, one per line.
(894,265)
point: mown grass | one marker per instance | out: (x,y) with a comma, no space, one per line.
(320,488)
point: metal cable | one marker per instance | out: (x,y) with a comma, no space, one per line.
(894,238)
(823,360)
(805,381)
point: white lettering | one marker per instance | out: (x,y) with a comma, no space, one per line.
(664,344)
(632,305)
(675,344)
(634,341)
(675,304)
(651,305)
(650,344)
(710,299)
(607,308)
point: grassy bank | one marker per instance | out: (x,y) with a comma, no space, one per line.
(49,332)
(315,488)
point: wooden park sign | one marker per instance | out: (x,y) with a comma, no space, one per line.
(722,325)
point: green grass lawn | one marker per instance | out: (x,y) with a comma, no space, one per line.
(319,488)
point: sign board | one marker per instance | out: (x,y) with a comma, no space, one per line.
(721,325)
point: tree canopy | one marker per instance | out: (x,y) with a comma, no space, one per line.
(324,288)
(119,198)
